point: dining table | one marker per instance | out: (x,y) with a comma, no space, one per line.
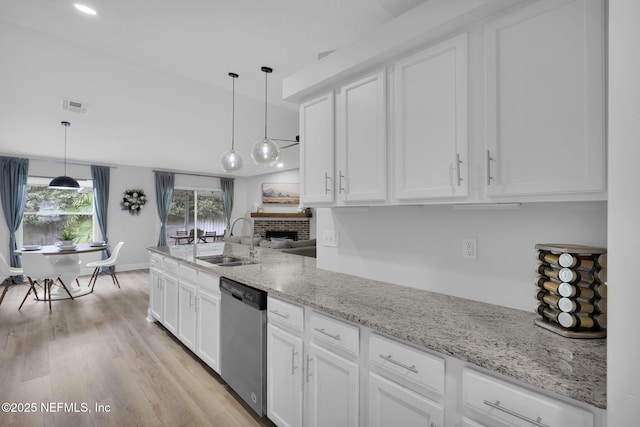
(66,263)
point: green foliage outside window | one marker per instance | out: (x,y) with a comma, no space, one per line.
(210,212)
(49,211)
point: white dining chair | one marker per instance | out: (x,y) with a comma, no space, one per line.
(6,272)
(40,272)
(109,262)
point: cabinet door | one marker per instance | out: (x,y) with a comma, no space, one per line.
(155,293)
(170,304)
(466,422)
(545,106)
(431,104)
(317,141)
(284,377)
(187,314)
(393,405)
(362,141)
(208,327)
(332,389)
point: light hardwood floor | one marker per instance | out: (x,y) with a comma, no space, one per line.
(100,350)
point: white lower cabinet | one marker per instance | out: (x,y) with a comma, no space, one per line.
(332,386)
(284,377)
(187,303)
(156,286)
(208,329)
(163,298)
(187,310)
(285,362)
(393,405)
(323,371)
(170,303)
(406,385)
(496,402)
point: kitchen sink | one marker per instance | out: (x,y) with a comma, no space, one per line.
(226,260)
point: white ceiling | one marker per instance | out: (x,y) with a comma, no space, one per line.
(188,47)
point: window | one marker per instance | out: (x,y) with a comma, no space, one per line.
(183,215)
(48,211)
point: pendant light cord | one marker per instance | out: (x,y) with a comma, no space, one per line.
(233,76)
(233,112)
(65,150)
(66,125)
(266,74)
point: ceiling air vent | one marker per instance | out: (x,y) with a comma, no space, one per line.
(74,106)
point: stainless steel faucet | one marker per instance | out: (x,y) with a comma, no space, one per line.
(252,250)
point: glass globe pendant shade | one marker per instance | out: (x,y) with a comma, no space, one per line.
(231,160)
(265,152)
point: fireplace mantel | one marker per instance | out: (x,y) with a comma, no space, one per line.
(280,215)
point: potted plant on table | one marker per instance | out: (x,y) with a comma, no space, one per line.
(67,237)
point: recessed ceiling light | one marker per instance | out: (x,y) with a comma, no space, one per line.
(85,9)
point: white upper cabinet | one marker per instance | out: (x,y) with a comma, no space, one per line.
(430,118)
(362,141)
(512,110)
(317,140)
(545,100)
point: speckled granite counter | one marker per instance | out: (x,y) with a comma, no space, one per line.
(500,339)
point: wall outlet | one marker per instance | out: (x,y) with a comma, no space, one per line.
(469,248)
(330,238)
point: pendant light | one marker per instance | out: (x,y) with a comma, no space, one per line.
(64,182)
(231,160)
(265,152)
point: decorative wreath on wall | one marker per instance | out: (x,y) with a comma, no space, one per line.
(133,201)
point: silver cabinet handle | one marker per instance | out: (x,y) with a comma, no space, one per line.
(340,187)
(190,297)
(489,159)
(309,360)
(327,189)
(277,313)
(322,331)
(536,422)
(389,358)
(458,161)
(293,363)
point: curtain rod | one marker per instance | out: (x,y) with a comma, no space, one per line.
(192,173)
(50,160)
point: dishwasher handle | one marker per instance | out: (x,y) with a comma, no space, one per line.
(253,297)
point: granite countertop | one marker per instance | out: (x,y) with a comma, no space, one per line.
(493,337)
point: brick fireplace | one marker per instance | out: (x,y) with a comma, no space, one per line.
(264,222)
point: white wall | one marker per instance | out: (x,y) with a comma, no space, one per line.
(421,246)
(623,342)
(138,115)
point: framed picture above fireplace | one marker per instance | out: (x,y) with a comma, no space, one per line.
(281,193)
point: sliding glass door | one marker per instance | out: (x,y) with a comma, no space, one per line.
(193,210)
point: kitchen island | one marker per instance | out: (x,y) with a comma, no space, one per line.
(498,339)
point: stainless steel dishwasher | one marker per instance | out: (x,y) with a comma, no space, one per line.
(243,342)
